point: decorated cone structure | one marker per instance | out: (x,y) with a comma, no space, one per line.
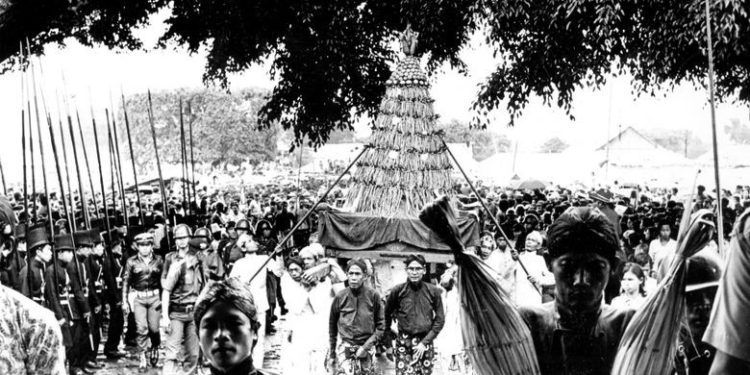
(406,162)
(404,166)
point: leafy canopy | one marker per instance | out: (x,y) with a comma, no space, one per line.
(330,57)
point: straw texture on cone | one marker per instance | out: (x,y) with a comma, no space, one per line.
(406,164)
(649,343)
(494,335)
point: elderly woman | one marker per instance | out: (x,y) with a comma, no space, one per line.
(227,322)
(304,351)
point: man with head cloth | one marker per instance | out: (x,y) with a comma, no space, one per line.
(357,318)
(577,333)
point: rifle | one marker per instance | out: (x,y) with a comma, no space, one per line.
(183,157)
(161,176)
(132,160)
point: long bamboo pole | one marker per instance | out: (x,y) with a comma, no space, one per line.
(280,245)
(711,99)
(487,210)
(132,160)
(161,176)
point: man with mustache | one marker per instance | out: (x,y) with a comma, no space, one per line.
(227,322)
(577,333)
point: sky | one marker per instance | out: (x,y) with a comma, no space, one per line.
(92,74)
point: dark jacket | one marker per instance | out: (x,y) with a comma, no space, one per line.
(418,308)
(587,349)
(142,277)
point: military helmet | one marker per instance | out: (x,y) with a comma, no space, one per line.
(704,270)
(202,232)
(244,224)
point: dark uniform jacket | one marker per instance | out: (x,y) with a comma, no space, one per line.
(112,272)
(141,276)
(59,298)
(587,349)
(95,281)
(79,275)
(35,290)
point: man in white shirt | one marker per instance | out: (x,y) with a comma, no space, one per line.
(252,269)
(661,248)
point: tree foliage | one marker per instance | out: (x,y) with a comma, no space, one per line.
(224,127)
(683,142)
(483,142)
(738,132)
(554,145)
(330,58)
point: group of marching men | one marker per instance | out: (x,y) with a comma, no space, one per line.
(95,277)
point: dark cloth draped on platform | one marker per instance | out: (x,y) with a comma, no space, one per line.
(361,231)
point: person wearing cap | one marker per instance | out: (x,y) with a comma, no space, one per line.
(39,244)
(86,303)
(355,324)
(184,282)
(143,276)
(112,272)
(255,266)
(227,324)
(59,300)
(577,333)
(92,241)
(728,328)
(417,306)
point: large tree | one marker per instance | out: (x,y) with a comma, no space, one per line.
(330,58)
(224,127)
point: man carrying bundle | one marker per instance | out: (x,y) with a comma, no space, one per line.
(577,333)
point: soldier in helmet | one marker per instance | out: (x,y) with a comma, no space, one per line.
(704,271)
(201,243)
(142,277)
(232,252)
(184,282)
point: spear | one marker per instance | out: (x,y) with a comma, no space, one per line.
(2,175)
(86,161)
(101,175)
(192,156)
(158,167)
(183,156)
(715,143)
(81,190)
(132,159)
(65,160)
(119,167)
(112,166)
(41,154)
(23,147)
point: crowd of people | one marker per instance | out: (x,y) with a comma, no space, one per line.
(171,275)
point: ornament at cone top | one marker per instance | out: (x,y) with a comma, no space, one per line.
(408,72)
(409,41)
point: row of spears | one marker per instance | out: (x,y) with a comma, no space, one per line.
(32,98)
